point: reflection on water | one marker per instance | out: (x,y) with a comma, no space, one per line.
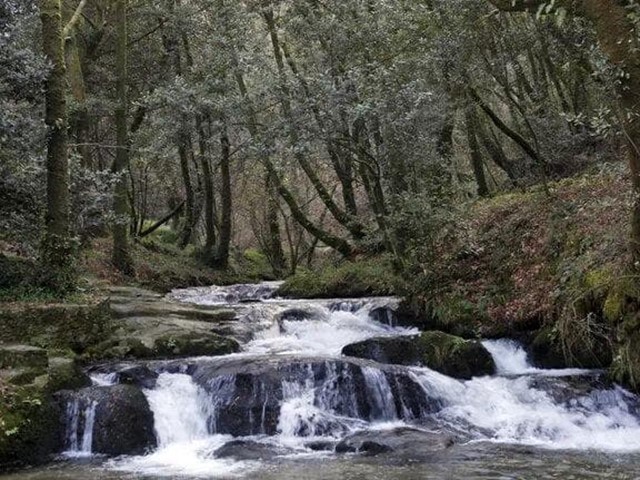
(472,462)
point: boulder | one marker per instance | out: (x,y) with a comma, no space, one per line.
(454,356)
(402,441)
(30,428)
(123,422)
(396,350)
(249,450)
(139,375)
(249,393)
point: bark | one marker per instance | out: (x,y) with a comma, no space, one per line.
(161,222)
(221,259)
(209,205)
(121,250)
(474,151)
(56,246)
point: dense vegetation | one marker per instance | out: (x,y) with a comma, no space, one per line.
(466,154)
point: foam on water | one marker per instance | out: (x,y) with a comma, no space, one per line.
(512,359)
(325,335)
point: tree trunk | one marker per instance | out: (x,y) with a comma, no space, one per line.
(471,121)
(121,253)
(56,245)
(222,251)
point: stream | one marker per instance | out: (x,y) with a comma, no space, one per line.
(290,406)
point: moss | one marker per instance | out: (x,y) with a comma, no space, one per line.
(194,345)
(29,427)
(118,349)
(454,356)
(63,326)
(368,277)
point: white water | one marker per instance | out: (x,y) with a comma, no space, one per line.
(80,422)
(511,359)
(181,411)
(326,334)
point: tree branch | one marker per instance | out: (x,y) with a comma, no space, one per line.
(74,19)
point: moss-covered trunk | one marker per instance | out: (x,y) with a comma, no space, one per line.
(121,254)
(56,246)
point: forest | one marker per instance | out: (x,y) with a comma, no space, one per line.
(233,232)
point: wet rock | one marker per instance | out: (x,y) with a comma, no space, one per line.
(248,450)
(397,350)
(454,356)
(123,421)
(321,446)
(546,351)
(384,315)
(402,441)
(249,393)
(140,375)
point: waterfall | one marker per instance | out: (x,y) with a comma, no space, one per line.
(80,419)
(379,394)
(180,408)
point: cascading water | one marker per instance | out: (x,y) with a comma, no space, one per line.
(290,387)
(79,427)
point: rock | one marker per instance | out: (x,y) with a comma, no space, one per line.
(22,356)
(546,351)
(321,446)
(397,350)
(384,315)
(65,374)
(123,421)
(139,375)
(66,326)
(194,345)
(248,393)
(30,430)
(403,441)
(248,450)
(119,349)
(455,356)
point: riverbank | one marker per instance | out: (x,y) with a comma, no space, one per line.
(548,266)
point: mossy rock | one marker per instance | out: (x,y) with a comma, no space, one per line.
(63,326)
(65,374)
(454,356)
(30,427)
(118,349)
(194,345)
(547,350)
(368,277)
(395,350)
(22,356)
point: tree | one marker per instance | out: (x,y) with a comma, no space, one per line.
(57,245)
(121,251)
(616,32)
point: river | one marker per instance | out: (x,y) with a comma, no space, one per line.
(279,408)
